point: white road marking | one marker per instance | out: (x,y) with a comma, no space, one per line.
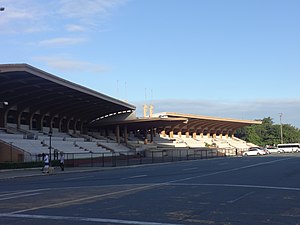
(133,177)
(77,178)
(240,186)
(82,219)
(241,197)
(138,176)
(86,198)
(229,170)
(188,169)
(23,192)
(172,182)
(18,196)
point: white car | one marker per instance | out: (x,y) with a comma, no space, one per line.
(254,151)
(274,150)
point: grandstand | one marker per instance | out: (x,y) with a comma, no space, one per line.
(46,114)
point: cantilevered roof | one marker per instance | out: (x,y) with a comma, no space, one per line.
(26,87)
(206,123)
(170,121)
(141,123)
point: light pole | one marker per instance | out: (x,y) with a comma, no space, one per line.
(281,133)
(50,147)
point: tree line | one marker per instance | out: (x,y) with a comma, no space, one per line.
(269,133)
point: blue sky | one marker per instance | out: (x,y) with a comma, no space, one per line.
(236,59)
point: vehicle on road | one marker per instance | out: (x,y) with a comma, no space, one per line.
(254,151)
(272,149)
(292,147)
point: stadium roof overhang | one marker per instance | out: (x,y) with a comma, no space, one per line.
(168,121)
(27,88)
(208,124)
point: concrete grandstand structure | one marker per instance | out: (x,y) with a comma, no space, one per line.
(38,108)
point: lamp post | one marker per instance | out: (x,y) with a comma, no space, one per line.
(281,133)
(50,147)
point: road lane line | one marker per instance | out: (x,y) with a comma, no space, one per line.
(77,178)
(229,170)
(240,186)
(133,177)
(22,192)
(83,219)
(241,197)
(138,176)
(188,169)
(87,198)
(19,196)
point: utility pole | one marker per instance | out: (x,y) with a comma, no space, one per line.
(281,133)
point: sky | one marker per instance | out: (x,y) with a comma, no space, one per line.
(224,58)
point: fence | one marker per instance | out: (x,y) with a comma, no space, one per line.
(146,157)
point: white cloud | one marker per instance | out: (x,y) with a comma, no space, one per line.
(248,110)
(75,28)
(69,65)
(84,9)
(61,41)
(34,15)
(19,17)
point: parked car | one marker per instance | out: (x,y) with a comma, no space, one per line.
(274,150)
(254,151)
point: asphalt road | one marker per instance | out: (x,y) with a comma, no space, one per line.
(248,190)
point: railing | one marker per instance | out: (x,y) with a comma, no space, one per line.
(145,157)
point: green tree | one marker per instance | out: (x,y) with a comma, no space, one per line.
(268,133)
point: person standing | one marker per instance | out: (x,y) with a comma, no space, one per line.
(62,161)
(46,163)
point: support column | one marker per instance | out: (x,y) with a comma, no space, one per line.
(125,135)
(117,133)
(226,136)
(194,135)
(30,120)
(214,135)
(3,119)
(151,134)
(19,120)
(233,133)
(68,125)
(187,134)
(60,125)
(42,122)
(201,134)
(179,134)
(171,134)
(146,136)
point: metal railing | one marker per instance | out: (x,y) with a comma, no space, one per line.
(146,157)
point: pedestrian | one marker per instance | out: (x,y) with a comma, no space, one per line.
(46,163)
(62,161)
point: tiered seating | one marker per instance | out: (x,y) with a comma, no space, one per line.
(238,143)
(115,147)
(92,147)
(163,141)
(222,143)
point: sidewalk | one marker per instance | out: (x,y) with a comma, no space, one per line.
(31,172)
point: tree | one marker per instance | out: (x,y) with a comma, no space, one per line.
(268,133)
